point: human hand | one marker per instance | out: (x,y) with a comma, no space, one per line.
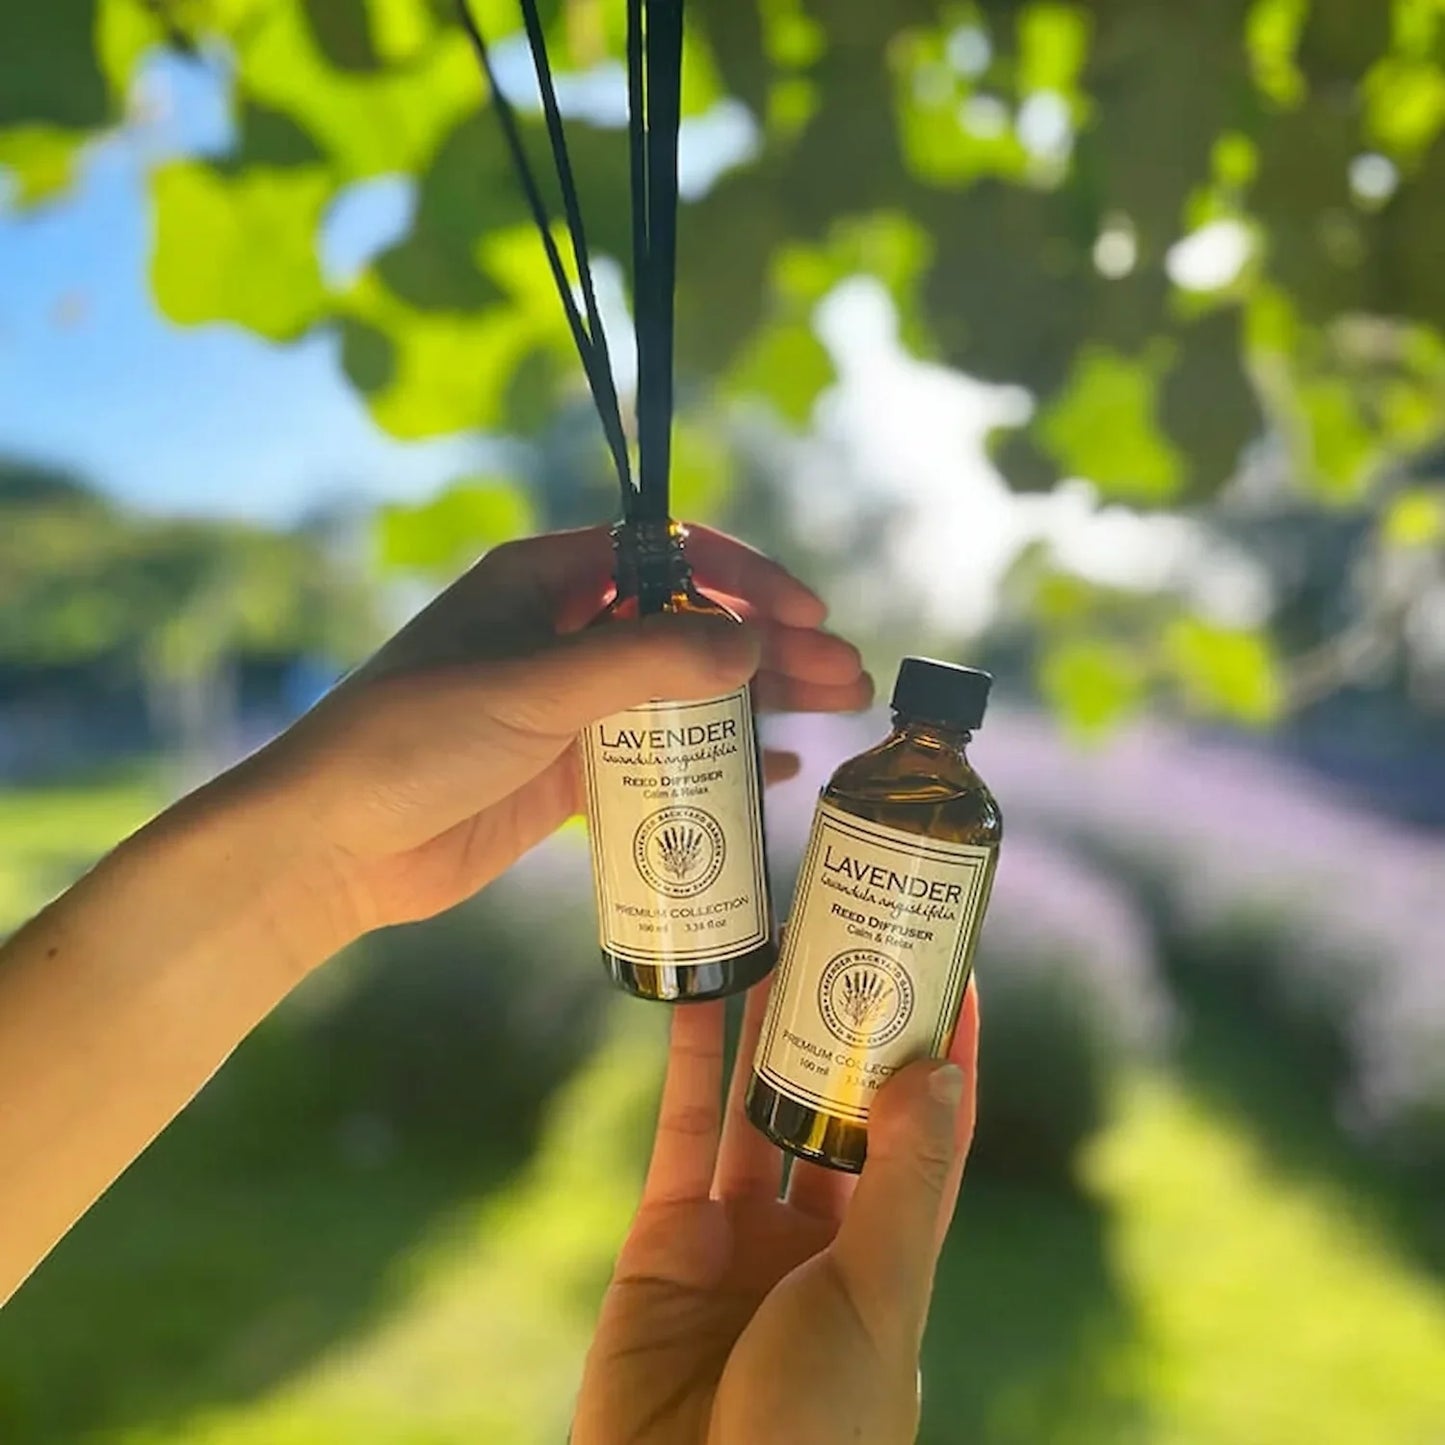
(739,1317)
(413,784)
(435,766)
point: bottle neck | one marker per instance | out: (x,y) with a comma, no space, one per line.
(944,736)
(650,562)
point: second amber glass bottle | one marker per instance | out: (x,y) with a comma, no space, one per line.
(880,943)
(674,812)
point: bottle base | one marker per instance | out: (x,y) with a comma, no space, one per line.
(693,982)
(804,1132)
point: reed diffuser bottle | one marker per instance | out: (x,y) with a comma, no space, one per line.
(674,811)
(888,907)
(674,789)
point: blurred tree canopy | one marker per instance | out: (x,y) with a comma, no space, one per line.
(1192,232)
(86,585)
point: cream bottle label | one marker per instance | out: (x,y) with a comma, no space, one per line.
(875,960)
(676,827)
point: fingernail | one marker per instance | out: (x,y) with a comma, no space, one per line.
(945,1083)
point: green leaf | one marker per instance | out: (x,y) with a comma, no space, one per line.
(1272,34)
(587,32)
(1404,105)
(1415,518)
(1341,446)
(468,189)
(40,160)
(368,123)
(1061,599)
(792,103)
(784,360)
(271,138)
(1227,672)
(367,356)
(1053,46)
(342,29)
(125,31)
(48,68)
(1272,323)
(535,391)
(402,29)
(1104,427)
(702,86)
(700,472)
(434,272)
(442,536)
(240,248)
(453,370)
(946,139)
(1234,160)
(887,244)
(449,371)
(792,39)
(787,364)
(1416,25)
(1093,685)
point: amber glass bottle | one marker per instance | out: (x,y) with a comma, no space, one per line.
(889,902)
(674,810)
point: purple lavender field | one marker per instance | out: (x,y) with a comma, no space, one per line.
(1157,858)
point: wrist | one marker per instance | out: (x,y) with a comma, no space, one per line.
(241,852)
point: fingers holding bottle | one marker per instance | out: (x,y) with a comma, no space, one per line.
(891,1235)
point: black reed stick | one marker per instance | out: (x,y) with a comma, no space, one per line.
(656,119)
(588,333)
(654,86)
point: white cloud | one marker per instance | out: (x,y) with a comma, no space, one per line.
(910,438)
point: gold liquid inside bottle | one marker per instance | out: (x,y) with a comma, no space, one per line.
(889,903)
(674,805)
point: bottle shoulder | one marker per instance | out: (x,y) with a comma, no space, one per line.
(920,788)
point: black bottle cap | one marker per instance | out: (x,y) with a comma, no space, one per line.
(941,692)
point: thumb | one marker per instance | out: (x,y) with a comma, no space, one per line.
(887,1248)
(449,742)
(592,674)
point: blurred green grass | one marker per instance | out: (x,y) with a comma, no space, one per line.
(1198,1288)
(51,834)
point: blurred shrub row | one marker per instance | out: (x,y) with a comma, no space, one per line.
(424,1037)
(1321,917)
(1162,867)
(1132,877)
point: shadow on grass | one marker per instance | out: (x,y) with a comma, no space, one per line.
(277,1215)
(1027,1323)
(1281,1086)
(1277,1065)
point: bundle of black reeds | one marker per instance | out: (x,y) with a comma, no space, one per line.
(654,84)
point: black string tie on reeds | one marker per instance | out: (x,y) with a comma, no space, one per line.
(654,91)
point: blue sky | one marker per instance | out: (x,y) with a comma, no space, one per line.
(205,419)
(213,419)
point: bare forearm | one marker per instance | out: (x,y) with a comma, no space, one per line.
(121,999)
